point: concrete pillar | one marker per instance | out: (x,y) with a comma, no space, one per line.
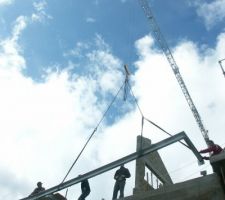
(153,162)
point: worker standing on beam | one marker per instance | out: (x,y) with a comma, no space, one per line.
(38,189)
(85,189)
(120,177)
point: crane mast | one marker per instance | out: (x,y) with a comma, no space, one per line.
(166,50)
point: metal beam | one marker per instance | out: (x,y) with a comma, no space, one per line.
(117,163)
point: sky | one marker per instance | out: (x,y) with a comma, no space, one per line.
(61,65)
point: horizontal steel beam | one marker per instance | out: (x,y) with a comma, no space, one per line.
(117,163)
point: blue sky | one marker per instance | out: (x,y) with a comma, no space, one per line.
(61,63)
(62,26)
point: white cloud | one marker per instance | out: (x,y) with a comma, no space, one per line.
(90,20)
(53,117)
(6,2)
(10,57)
(20,25)
(78,49)
(40,6)
(212,13)
(101,64)
(162,101)
(156,85)
(44,125)
(40,14)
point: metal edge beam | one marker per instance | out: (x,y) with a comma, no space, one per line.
(193,149)
(117,163)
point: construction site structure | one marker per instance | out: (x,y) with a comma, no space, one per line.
(166,50)
(138,154)
(207,187)
(154,164)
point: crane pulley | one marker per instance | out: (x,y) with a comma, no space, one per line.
(166,50)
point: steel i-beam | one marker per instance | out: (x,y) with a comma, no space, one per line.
(119,162)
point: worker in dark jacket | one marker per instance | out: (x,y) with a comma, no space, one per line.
(120,177)
(85,189)
(38,189)
(213,148)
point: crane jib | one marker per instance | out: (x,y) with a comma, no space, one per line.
(166,50)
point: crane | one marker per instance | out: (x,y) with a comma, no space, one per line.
(166,50)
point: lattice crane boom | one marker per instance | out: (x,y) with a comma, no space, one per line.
(166,50)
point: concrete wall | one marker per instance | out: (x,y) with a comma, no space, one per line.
(203,188)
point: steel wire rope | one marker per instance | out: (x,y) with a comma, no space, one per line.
(143,117)
(181,168)
(135,100)
(166,132)
(184,178)
(150,120)
(207,165)
(189,164)
(95,129)
(186,165)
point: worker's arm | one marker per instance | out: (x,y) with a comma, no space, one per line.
(116,176)
(127,174)
(210,149)
(205,157)
(34,192)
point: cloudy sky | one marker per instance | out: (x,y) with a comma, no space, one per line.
(61,64)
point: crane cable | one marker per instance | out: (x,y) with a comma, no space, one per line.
(126,85)
(95,129)
(144,118)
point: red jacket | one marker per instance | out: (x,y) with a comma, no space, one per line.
(215,149)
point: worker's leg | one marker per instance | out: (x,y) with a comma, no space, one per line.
(83,195)
(86,193)
(115,190)
(222,178)
(122,185)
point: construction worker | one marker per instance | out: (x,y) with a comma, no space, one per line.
(38,189)
(217,165)
(120,177)
(85,189)
(213,148)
